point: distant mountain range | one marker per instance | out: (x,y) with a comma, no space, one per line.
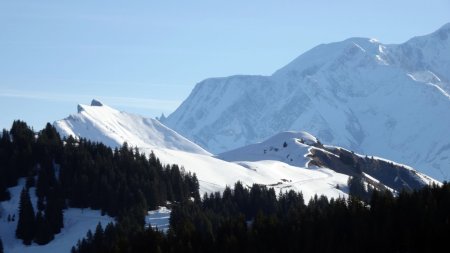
(387,100)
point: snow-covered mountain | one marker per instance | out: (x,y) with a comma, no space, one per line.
(387,100)
(301,149)
(104,124)
(286,161)
(99,122)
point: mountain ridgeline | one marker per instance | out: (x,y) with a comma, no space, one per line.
(387,100)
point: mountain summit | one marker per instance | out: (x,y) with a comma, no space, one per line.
(101,123)
(388,100)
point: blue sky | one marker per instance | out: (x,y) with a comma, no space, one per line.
(146,56)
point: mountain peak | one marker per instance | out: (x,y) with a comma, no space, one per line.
(445,27)
(96,103)
(444,31)
(101,123)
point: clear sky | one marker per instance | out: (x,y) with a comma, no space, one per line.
(146,56)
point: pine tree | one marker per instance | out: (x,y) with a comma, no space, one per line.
(54,211)
(30,181)
(44,232)
(98,235)
(23,141)
(26,223)
(4,193)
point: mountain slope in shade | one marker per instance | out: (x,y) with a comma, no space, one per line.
(388,100)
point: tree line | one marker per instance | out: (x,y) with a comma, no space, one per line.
(259,220)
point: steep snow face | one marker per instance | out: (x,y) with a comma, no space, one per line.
(101,123)
(387,100)
(429,55)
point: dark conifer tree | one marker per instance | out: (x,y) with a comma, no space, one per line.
(49,145)
(54,211)
(23,141)
(44,233)
(8,175)
(26,223)
(30,182)
(46,177)
(4,193)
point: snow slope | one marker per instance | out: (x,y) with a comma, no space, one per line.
(302,150)
(387,100)
(99,122)
(76,224)
(283,161)
(107,125)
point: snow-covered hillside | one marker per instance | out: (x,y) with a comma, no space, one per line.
(387,100)
(104,124)
(99,122)
(289,160)
(301,149)
(76,224)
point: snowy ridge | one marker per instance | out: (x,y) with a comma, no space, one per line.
(302,150)
(288,160)
(388,100)
(107,125)
(99,122)
(289,147)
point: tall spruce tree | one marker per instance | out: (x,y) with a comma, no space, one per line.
(44,233)
(7,173)
(54,211)
(23,141)
(26,223)
(4,193)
